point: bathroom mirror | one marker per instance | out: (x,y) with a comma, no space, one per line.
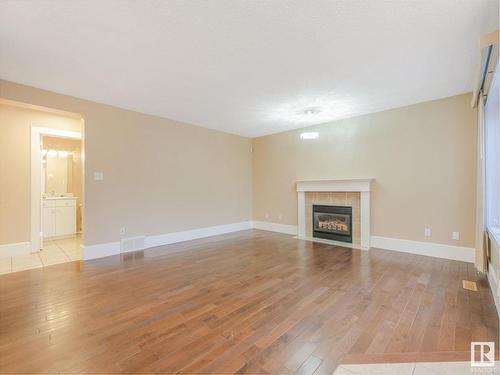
(57,172)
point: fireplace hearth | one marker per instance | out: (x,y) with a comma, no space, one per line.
(332,223)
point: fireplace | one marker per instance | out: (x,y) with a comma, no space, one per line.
(332,222)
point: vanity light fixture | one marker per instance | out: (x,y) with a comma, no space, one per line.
(62,154)
(52,153)
(309,135)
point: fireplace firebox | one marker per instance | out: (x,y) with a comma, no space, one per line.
(332,222)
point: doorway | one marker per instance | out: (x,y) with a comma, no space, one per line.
(57,202)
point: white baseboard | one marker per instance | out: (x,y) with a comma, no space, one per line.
(193,234)
(275,227)
(114,248)
(15,249)
(101,250)
(464,254)
(493,280)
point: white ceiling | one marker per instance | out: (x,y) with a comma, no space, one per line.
(246,67)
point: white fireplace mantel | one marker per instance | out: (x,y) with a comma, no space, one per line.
(361,185)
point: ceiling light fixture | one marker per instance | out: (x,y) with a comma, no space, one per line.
(311,111)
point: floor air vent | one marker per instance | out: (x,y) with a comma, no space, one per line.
(132,244)
(469,285)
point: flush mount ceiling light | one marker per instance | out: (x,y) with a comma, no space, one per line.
(311,111)
(307,110)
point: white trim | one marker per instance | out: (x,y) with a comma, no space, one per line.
(275,227)
(464,254)
(113,248)
(495,291)
(365,219)
(355,184)
(101,250)
(494,234)
(193,234)
(36,178)
(15,249)
(361,185)
(301,213)
(58,132)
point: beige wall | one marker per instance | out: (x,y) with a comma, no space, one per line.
(75,187)
(160,176)
(422,158)
(15,172)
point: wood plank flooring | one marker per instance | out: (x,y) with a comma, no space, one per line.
(247,302)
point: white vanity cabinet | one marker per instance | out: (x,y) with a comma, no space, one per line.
(58,217)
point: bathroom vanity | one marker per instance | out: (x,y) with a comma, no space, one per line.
(58,216)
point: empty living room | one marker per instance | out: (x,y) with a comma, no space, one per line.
(249,187)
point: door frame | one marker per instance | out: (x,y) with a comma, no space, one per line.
(36,178)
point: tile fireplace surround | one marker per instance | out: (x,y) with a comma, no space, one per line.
(361,204)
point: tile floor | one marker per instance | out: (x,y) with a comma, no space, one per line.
(54,252)
(420,368)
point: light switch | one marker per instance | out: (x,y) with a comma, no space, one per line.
(98,176)
(455,235)
(427,232)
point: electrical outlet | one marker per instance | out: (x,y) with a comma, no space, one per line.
(427,232)
(280,217)
(267,216)
(455,235)
(122,231)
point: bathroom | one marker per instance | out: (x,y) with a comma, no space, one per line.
(62,202)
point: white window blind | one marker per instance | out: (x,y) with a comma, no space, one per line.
(492,155)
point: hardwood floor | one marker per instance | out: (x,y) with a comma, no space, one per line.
(248,302)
